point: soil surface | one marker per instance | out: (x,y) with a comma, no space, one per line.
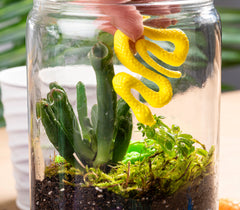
(53,194)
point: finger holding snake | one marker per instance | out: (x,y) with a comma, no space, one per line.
(126,15)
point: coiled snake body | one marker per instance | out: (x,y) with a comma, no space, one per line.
(123,82)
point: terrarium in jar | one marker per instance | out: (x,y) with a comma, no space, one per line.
(124,104)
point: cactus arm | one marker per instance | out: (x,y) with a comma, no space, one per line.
(57,86)
(55,132)
(65,115)
(123,137)
(123,131)
(122,108)
(101,60)
(94,114)
(86,127)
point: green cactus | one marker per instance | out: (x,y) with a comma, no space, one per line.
(97,141)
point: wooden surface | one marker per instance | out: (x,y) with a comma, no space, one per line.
(7,182)
(229,181)
(229,176)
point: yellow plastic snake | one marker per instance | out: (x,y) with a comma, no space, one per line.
(123,82)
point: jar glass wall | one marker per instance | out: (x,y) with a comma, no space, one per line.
(110,126)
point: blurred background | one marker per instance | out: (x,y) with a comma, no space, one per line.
(13,14)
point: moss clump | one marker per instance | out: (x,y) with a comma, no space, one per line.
(60,166)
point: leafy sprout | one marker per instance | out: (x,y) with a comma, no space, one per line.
(171,140)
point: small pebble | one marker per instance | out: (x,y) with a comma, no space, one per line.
(98,189)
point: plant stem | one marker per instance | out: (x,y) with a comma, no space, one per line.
(101,60)
(86,126)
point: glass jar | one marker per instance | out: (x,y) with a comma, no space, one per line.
(110,127)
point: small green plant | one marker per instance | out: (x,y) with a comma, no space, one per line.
(94,141)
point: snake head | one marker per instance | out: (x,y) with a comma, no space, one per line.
(144,115)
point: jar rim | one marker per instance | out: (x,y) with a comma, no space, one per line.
(154,7)
(128,2)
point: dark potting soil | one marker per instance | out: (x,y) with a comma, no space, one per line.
(50,193)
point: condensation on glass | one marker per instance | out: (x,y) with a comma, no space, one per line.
(88,150)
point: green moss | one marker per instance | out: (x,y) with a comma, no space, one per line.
(159,173)
(60,166)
